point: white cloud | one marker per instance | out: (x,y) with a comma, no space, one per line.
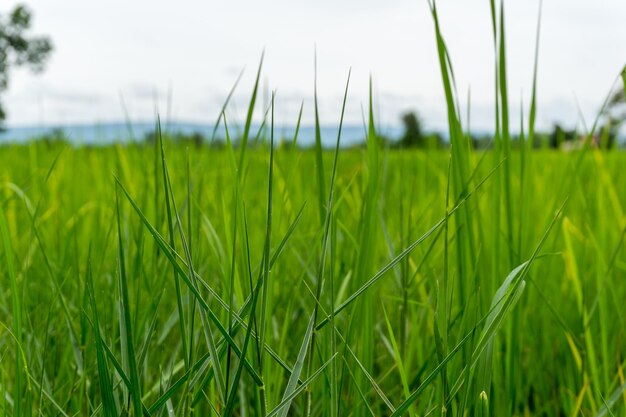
(140,47)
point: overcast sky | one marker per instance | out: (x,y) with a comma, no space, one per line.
(138,49)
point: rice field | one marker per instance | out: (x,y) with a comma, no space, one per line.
(261,280)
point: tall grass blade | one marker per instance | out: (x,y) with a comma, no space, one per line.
(18,394)
(126,322)
(108,402)
(297,369)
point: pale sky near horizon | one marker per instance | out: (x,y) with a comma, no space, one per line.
(138,49)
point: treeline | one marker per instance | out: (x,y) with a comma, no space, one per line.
(413,136)
(606,137)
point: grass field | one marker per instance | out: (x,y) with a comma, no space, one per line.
(92,305)
(153,279)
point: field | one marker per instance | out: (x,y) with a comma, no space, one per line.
(119,287)
(257,279)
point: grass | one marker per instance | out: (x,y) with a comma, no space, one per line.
(570,352)
(155,280)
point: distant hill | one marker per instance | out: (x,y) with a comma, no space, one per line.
(106,133)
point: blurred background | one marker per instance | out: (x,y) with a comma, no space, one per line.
(119,60)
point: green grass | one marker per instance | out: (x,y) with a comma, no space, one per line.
(99,331)
(267,280)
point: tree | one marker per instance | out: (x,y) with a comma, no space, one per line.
(413,135)
(560,135)
(615,111)
(17,49)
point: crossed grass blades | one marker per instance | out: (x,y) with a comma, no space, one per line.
(315,282)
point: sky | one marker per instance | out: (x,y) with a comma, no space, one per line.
(128,56)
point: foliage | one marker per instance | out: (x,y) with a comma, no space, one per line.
(281,281)
(414,136)
(560,135)
(18,49)
(195,139)
(59,204)
(615,112)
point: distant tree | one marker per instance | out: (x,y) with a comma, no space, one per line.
(481,141)
(614,114)
(195,139)
(54,137)
(413,136)
(560,135)
(17,49)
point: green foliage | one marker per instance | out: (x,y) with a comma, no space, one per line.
(414,135)
(614,113)
(17,48)
(159,280)
(560,135)
(194,139)
(570,320)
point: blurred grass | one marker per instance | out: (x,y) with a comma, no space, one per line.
(570,347)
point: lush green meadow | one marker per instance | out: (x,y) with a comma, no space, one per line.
(119,288)
(265,280)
